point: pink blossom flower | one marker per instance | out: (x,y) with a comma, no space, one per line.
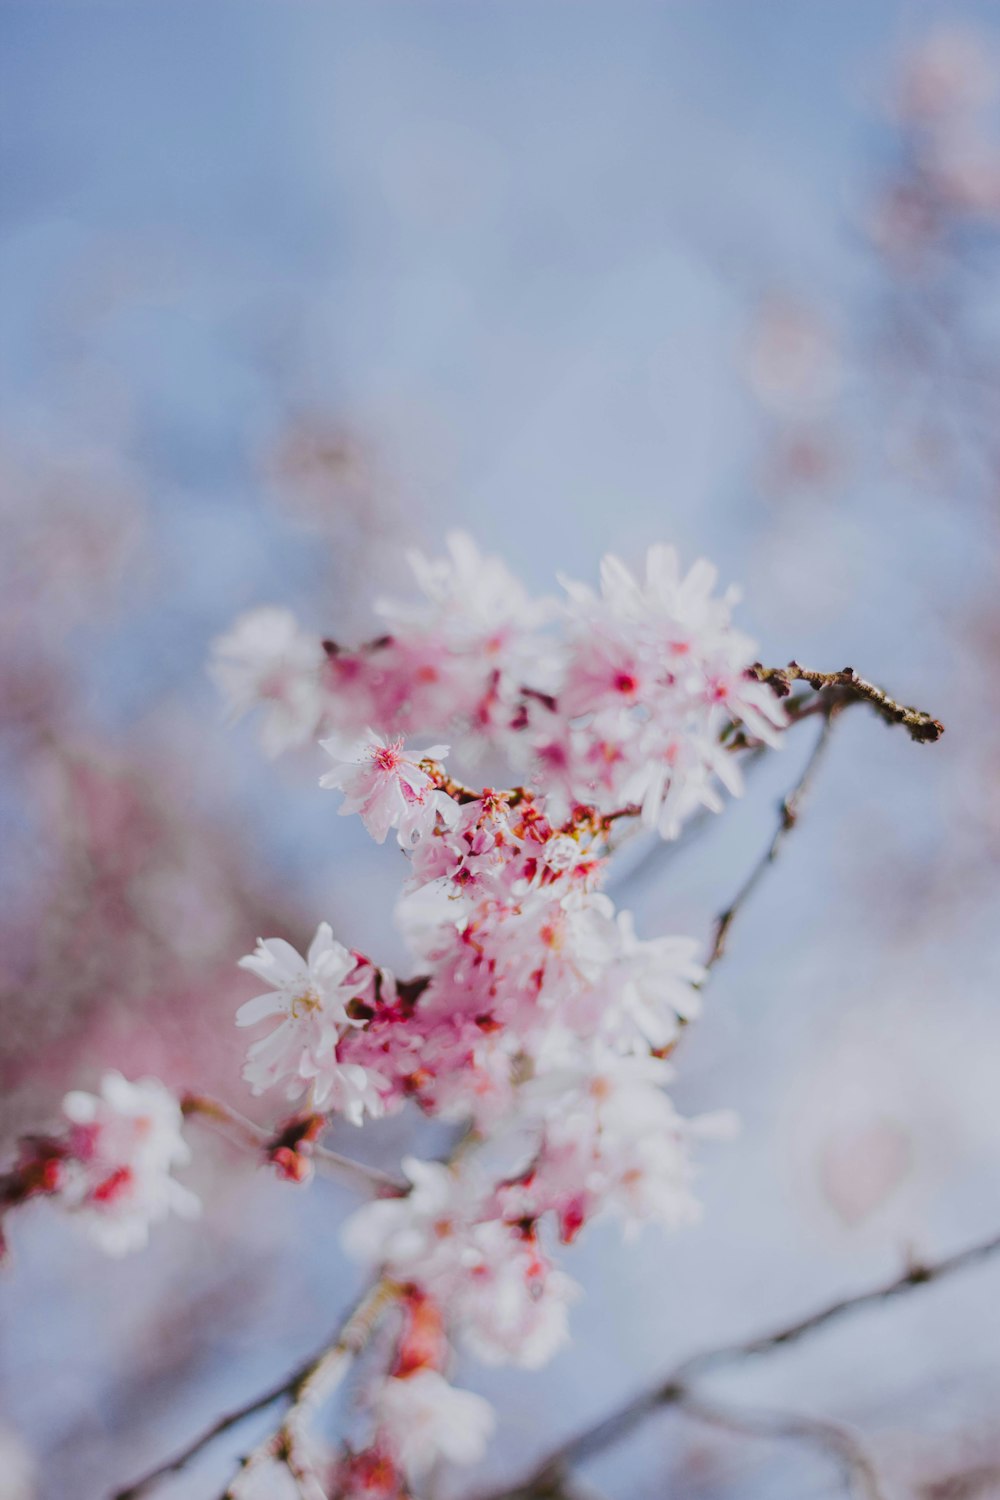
(417,1238)
(508,1304)
(476,637)
(658,665)
(611,1142)
(389,788)
(513,1306)
(537,1013)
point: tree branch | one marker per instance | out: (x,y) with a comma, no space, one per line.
(832,1437)
(676,1388)
(180,1460)
(311,1388)
(847,685)
(308,1383)
(311,1381)
(293,1143)
(965,1484)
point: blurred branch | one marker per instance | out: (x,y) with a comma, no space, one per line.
(307,1385)
(218,1429)
(832,1437)
(847,686)
(311,1387)
(676,1388)
(293,1147)
(966,1484)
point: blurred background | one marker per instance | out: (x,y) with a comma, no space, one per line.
(286,288)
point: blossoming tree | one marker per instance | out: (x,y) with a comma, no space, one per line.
(536,1020)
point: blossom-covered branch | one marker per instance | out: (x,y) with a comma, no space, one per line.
(540,1021)
(679,1385)
(276,1446)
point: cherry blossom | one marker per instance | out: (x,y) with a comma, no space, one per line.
(536,1016)
(389,788)
(616,696)
(422,1419)
(508,1303)
(611,1142)
(540,1016)
(311,996)
(658,667)
(117,1161)
(416,1238)
(470,643)
(659,980)
(475,599)
(268,662)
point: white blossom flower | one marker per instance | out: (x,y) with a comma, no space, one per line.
(561,853)
(124,1144)
(268,661)
(612,1140)
(417,1238)
(536,1012)
(421,1418)
(658,980)
(654,670)
(473,598)
(310,995)
(512,1304)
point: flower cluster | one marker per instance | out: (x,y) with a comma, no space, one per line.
(418,1417)
(537,1019)
(111,1165)
(611,698)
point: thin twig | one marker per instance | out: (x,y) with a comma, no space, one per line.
(922,727)
(303,1386)
(839,1441)
(965,1484)
(224,1424)
(677,1386)
(788,812)
(236,1127)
